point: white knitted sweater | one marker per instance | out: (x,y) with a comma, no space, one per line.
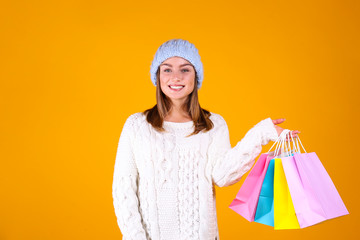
(163,183)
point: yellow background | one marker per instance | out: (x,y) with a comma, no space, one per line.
(72,72)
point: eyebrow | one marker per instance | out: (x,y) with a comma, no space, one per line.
(171,65)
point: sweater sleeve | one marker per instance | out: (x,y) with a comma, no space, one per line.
(124,187)
(230,164)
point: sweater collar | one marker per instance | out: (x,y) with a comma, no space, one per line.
(179,125)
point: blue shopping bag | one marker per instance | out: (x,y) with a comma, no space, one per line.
(265,208)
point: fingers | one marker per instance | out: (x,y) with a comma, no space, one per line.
(294,134)
(278,121)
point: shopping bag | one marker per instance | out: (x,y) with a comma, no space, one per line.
(313,193)
(284,212)
(246,199)
(324,188)
(265,207)
(307,207)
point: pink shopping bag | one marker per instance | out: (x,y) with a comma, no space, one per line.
(326,193)
(313,193)
(247,198)
(307,207)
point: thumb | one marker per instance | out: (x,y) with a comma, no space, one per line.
(278,121)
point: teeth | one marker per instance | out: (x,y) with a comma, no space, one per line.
(176,87)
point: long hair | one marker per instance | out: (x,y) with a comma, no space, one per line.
(200,116)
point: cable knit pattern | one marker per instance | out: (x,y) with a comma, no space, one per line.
(164,183)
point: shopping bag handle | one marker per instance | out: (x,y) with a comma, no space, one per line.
(296,147)
(279,141)
(284,146)
(281,144)
(279,138)
(297,139)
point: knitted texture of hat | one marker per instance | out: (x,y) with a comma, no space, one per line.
(180,48)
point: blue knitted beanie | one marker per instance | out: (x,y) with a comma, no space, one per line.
(179,48)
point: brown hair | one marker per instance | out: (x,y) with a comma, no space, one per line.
(200,116)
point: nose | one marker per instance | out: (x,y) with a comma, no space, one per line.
(176,76)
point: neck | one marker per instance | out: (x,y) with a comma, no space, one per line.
(177,113)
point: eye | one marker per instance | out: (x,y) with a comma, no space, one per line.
(186,70)
(166,70)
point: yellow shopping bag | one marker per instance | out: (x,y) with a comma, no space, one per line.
(284,212)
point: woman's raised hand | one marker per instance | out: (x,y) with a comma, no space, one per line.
(280,129)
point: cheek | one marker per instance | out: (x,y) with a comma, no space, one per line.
(163,84)
(161,79)
(191,81)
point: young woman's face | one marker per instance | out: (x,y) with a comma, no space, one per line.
(177,78)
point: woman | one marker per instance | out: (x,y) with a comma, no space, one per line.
(170,156)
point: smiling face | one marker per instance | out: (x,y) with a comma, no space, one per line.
(177,79)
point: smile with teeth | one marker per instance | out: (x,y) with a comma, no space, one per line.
(176,87)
